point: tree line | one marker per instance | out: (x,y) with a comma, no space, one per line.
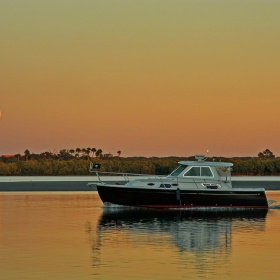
(64,154)
(267,165)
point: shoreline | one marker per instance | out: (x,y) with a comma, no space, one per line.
(79,183)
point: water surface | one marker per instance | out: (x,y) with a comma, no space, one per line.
(70,236)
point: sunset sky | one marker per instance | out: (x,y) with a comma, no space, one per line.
(149,77)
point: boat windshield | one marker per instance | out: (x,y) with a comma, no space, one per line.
(178,170)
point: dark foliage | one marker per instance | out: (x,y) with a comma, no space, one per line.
(44,165)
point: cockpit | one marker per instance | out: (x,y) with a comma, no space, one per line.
(206,170)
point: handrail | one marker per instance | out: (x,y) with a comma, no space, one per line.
(125,173)
(160,177)
(179,180)
(153,175)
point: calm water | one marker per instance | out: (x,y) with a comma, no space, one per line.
(69,236)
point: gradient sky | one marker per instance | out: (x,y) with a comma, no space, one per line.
(149,77)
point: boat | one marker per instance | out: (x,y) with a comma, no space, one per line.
(198,184)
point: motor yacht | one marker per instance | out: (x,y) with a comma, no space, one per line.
(193,184)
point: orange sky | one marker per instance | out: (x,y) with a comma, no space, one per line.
(149,78)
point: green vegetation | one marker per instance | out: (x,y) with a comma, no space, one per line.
(80,166)
(76,162)
(266,154)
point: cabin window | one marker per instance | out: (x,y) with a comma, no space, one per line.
(178,170)
(194,171)
(199,172)
(206,172)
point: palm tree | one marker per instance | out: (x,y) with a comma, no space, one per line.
(93,150)
(98,153)
(17,156)
(88,150)
(119,153)
(78,150)
(84,150)
(27,155)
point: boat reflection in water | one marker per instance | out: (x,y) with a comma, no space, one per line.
(201,233)
(190,230)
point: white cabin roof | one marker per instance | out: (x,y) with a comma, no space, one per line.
(206,163)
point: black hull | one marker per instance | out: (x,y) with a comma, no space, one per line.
(170,198)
